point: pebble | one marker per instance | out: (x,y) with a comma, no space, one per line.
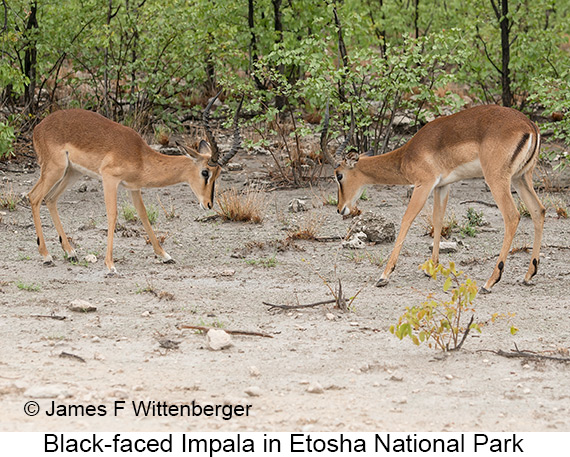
(81,306)
(449,377)
(90,258)
(330,316)
(254,371)
(315,388)
(218,339)
(145,314)
(253,391)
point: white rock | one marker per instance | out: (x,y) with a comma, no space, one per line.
(90,258)
(297,205)
(446,247)
(81,306)
(254,371)
(218,339)
(253,391)
(315,388)
(234,166)
(330,316)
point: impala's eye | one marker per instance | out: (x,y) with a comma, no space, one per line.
(339,176)
(205,173)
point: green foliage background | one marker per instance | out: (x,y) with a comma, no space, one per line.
(132,58)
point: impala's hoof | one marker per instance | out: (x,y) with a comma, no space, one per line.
(73,258)
(527,283)
(111,273)
(49,263)
(484,290)
(169,261)
(381,282)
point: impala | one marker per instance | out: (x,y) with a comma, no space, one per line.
(75,142)
(496,143)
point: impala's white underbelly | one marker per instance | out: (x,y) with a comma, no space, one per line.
(467,170)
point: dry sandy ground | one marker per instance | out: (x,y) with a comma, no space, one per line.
(371,381)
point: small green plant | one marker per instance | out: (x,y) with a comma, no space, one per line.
(330,200)
(30,287)
(474,219)
(129,213)
(440,323)
(152,213)
(267,262)
(364,195)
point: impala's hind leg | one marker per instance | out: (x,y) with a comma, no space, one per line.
(524,188)
(69,177)
(143,216)
(50,177)
(501,190)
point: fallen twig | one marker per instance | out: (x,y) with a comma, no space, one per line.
(67,355)
(310,305)
(231,332)
(50,316)
(481,202)
(529,355)
(327,239)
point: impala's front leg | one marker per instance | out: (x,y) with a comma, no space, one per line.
(110,186)
(141,210)
(417,202)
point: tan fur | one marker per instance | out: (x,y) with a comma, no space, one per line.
(485,141)
(76,142)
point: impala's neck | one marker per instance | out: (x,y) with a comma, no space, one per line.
(382,169)
(162,170)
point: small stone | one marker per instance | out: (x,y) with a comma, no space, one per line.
(228,273)
(330,316)
(446,247)
(297,205)
(254,371)
(145,314)
(448,377)
(90,258)
(253,391)
(234,166)
(98,356)
(396,378)
(81,306)
(315,388)
(95,339)
(356,241)
(218,339)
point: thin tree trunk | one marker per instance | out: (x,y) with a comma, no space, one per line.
(31,56)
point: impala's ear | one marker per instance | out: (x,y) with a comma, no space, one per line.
(204,148)
(188,151)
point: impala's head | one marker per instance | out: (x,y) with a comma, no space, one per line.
(347,176)
(202,176)
(350,183)
(208,160)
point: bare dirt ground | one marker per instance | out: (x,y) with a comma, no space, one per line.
(371,381)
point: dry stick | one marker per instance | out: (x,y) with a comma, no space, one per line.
(529,355)
(311,305)
(67,355)
(49,316)
(231,332)
(456,348)
(492,205)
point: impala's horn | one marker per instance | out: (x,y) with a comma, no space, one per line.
(237,140)
(324,139)
(211,140)
(340,152)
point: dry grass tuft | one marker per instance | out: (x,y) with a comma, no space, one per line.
(308,228)
(246,206)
